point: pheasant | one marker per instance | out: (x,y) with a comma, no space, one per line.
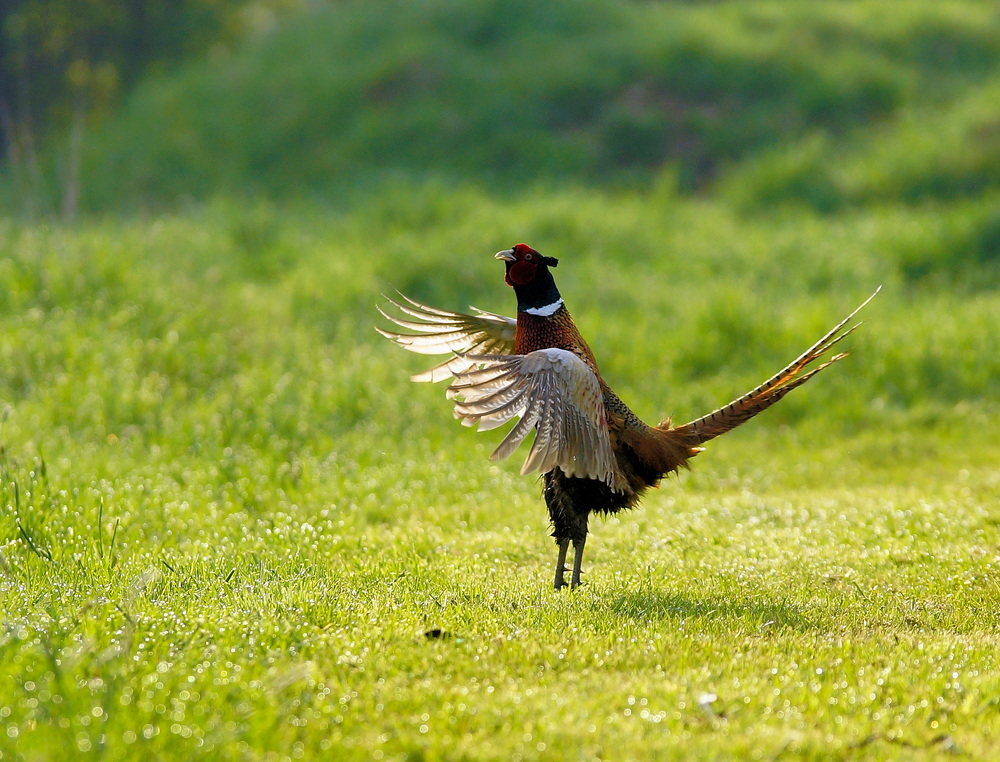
(594,453)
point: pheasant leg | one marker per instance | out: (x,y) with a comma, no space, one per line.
(561,562)
(577,561)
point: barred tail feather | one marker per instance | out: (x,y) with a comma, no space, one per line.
(756,401)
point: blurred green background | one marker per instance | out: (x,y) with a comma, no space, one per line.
(778,152)
(828,106)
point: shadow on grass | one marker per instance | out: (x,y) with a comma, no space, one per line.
(644,605)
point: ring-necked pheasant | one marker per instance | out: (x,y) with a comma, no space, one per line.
(594,453)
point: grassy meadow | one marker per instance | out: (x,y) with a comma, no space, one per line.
(230,519)
(231,528)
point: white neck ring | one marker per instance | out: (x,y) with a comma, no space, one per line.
(548,309)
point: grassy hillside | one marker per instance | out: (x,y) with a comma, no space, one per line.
(512,92)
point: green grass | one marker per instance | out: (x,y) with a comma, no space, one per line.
(228,520)
(230,526)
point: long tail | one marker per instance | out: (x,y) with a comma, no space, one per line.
(760,399)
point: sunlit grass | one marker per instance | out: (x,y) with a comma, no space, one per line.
(231,525)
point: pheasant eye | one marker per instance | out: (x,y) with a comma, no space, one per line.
(529,256)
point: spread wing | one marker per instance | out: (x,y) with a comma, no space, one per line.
(554,392)
(440,332)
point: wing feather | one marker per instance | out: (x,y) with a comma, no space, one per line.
(443,332)
(557,395)
(553,391)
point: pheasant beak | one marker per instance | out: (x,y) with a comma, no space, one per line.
(507,255)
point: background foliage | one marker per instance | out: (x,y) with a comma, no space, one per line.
(841,104)
(64,63)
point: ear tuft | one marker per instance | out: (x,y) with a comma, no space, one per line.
(550,261)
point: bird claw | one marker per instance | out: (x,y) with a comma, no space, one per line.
(560,581)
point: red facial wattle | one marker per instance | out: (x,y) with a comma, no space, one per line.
(520,273)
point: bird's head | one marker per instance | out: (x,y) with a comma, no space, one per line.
(528,274)
(524,264)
